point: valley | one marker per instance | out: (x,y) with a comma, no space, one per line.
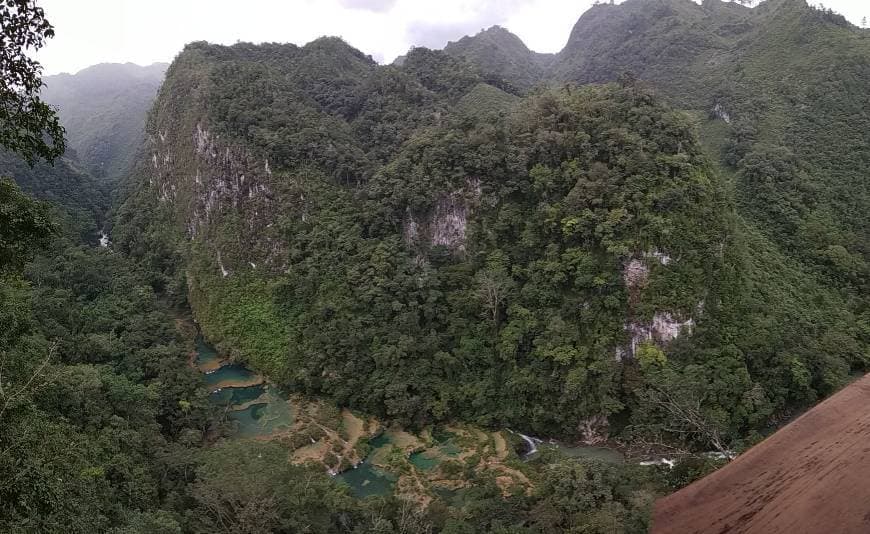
(369,457)
(290,288)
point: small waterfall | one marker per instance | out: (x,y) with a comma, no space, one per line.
(660,461)
(533,447)
(532,442)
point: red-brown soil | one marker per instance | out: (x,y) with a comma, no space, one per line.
(812,476)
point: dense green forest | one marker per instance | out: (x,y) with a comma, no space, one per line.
(428,242)
(654,240)
(105,428)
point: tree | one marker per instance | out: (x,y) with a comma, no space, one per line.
(679,401)
(28,126)
(25,123)
(251,487)
(25,224)
(494,284)
(13,393)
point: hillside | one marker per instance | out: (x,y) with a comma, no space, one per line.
(103,110)
(503,59)
(444,226)
(781,111)
(479,290)
(362,232)
(779,93)
(785,79)
(78,199)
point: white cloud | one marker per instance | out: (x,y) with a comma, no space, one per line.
(95,31)
(370,5)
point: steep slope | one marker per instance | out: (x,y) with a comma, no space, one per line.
(676,44)
(778,89)
(422,245)
(785,78)
(354,231)
(103,109)
(83,202)
(778,96)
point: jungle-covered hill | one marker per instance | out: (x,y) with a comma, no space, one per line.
(656,237)
(469,236)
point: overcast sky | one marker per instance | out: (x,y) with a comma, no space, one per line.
(147,31)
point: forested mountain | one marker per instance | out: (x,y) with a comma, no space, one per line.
(103,109)
(781,95)
(556,263)
(501,56)
(352,236)
(654,241)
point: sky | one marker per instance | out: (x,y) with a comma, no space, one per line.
(147,31)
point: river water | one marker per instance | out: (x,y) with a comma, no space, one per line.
(259,409)
(534,446)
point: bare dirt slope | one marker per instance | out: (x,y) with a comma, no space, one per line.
(812,476)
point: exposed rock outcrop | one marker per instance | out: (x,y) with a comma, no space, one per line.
(720,113)
(594,429)
(663,329)
(665,326)
(207,182)
(445,225)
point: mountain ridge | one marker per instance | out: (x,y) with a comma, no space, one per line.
(386,157)
(508,287)
(103,109)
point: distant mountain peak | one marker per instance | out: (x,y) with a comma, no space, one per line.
(500,32)
(494,35)
(336,46)
(502,57)
(126,69)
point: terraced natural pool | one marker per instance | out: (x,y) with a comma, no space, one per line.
(257,408)
(366,480)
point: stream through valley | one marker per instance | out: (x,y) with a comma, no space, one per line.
(259,409)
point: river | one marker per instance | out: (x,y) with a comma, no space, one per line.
(259,409)
(534,446)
